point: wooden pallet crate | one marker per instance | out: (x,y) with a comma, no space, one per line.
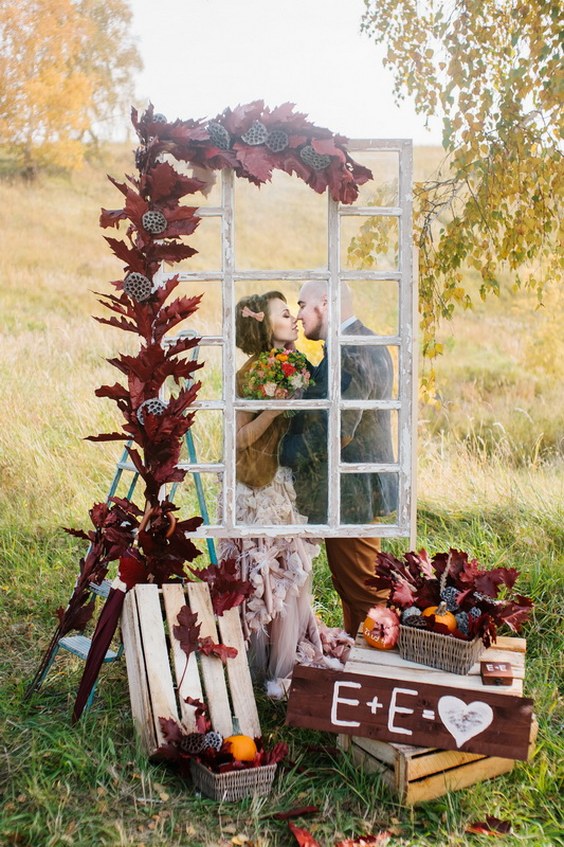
(416,774)
(160,677)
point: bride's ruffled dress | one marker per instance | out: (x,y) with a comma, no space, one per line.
(278,619)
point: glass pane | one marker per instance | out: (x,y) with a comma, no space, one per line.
(206,239)
(207,319)
(262,322)
(382,189)
(368,372)
(210,375)
(370,243)
(369,435)
(282,225)
(204,440)
(198,494)
(369,498)
(282,473)
(377,302)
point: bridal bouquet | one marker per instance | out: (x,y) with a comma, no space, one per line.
(278,374)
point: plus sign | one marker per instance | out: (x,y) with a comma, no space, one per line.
(374,704)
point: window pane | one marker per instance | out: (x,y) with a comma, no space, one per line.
(204,440)
(199,494)
(370,243)
(382,189)
(282,225)
(369,498)
(377,303)
(368,372)
(292,448)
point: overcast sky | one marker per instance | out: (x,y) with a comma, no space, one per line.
(201,56)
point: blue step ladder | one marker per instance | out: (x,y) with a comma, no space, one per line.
(79,645)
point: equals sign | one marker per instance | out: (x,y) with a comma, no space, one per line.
(428,714)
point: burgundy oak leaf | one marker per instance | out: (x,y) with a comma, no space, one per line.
(302,836)
(187,632)
(209,648)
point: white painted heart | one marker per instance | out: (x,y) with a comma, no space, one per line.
(463,720)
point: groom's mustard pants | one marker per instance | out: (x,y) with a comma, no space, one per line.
(351,562)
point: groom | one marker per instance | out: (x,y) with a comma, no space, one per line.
(366,374)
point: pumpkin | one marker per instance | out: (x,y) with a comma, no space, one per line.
(441,615)
(381,628)
(241,747)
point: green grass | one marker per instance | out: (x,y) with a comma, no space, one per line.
(489,482)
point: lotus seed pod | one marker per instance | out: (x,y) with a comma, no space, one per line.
(462,621)
(415,621)
(409,611)
(219,135)
(154,406)
(450,595)
(277,140)
(315,160)
(159,118)
(138,286)
(212,740)
(257,133)
(193,743)
(154,222)
(475,612)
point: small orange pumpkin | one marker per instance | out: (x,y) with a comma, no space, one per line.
(441,615)
(381,628)
(241,747)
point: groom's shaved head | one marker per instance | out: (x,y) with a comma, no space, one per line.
(313,303)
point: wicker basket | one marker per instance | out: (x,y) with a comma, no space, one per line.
(439,651)
(233,785)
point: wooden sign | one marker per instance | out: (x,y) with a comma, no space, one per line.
(410,712)
(496,673)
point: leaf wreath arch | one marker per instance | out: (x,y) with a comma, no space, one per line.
(150,542)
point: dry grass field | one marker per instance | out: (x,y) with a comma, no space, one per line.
(489,481)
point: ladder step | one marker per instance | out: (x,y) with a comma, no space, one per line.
(79,645)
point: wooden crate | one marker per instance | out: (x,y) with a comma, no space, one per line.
(416,774)
(159,676)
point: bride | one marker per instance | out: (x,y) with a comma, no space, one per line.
(279,621)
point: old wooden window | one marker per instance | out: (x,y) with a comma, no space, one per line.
(232,264)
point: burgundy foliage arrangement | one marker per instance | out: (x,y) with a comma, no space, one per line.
(480,600)
(151,543)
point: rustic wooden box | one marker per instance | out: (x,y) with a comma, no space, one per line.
(159,676)
(416,774)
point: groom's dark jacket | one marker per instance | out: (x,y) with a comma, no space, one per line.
(366,374)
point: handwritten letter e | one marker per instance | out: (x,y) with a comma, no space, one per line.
(336,700)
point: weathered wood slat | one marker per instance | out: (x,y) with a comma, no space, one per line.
(240,682)
(216,695)
(463,683)
(136,674)
(185,668)
(391,658)
(159,677)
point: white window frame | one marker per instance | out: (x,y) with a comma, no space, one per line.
(406,402)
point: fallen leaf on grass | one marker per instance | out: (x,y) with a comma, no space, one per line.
(379,840)
(491,826)
(297,812)
(302,836)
